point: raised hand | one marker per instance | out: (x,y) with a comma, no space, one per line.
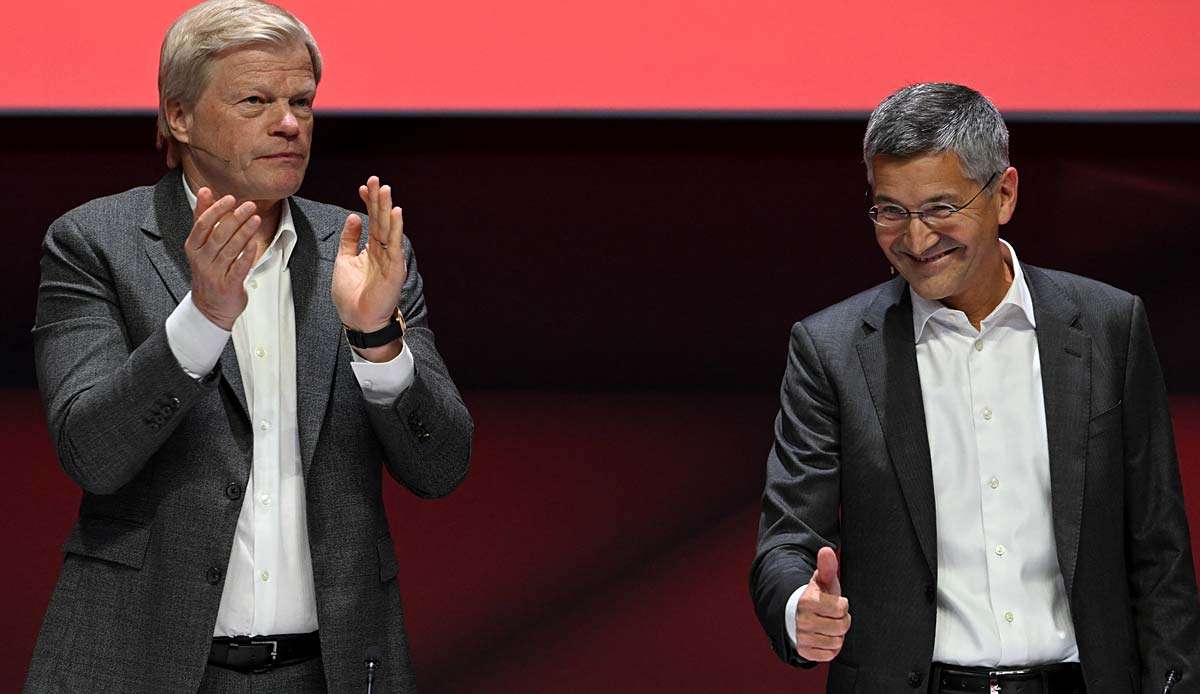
(219,252)
(822,615)
(367,283)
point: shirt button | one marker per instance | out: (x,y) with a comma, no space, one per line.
(260,352)
(1000,550)
(367,384)
(987,413)
(994,483)
(254,284)
(266,576)
(264,499)
(979,345)
(1009,617)
(264,425)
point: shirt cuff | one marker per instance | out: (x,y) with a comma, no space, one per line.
(383,382)
(790,613)
(195,341)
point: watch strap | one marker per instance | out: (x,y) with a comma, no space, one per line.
(392,331)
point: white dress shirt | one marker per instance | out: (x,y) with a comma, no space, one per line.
(1001,599)
(269,581)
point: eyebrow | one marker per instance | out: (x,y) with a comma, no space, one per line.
(940,197)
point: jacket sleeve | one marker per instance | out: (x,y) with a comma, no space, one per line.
(426,432)
(1162,579)
(800,501)
(109,404)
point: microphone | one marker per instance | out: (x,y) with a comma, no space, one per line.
(372,660)
(196,146)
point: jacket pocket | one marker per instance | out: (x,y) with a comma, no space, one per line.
(110,539)
(1106,420)
(387,559)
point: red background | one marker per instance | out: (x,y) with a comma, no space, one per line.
(1028,55)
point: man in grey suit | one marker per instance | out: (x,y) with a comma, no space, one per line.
(194,354)
(988,445)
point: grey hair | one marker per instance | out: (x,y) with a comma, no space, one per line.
(931,118)
(209,30)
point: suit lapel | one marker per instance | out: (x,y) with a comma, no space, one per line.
(318,328)
(889,361)
(1065,355)
(167,227)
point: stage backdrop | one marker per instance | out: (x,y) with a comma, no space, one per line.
(698,55)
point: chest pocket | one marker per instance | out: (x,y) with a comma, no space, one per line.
(1105,421)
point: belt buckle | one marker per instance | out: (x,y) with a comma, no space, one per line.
(274,653)
(993,684)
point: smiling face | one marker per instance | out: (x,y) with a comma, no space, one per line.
(248,134)
(959,261)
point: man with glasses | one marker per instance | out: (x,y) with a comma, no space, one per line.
(988,445)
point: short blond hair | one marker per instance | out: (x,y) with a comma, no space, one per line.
(209,30)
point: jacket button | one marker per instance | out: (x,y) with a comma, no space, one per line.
(930,594)
(213,575)
(233,490)
(914,679)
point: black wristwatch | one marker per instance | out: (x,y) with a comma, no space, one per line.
(393,330)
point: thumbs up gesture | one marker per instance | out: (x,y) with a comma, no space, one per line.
(822,615)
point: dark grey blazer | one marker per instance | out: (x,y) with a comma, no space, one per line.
(163,459)
(850,468)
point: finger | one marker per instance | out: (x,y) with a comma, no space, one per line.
(817,655)
(203,226)
(230,226)
(395,238)
(381,217)
(240,268)
(204,200)
(816,624)
(828,605)
(821,641)
(372,196)
(351,232)
(815,601)
(237,243)
(827,569)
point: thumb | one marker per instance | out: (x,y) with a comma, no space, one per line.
(827,572)
(351,232)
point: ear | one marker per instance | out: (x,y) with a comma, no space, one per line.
(179,120)
(1006,194)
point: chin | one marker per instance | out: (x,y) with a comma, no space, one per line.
(930,291)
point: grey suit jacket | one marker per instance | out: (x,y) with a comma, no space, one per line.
(850,468)
(163,459)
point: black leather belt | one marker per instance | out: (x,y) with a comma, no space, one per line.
(1059,678)
(261,653)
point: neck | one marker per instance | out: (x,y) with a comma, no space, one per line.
(980,302)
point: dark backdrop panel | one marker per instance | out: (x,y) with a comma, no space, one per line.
(640,253)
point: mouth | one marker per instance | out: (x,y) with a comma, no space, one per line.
(931,258)
(293,156)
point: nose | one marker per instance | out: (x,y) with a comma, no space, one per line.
(921,237)
(287,125)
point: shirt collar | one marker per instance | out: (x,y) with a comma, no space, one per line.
(285,237)
(1017,295)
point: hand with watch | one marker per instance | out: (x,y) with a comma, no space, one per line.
(367,283)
